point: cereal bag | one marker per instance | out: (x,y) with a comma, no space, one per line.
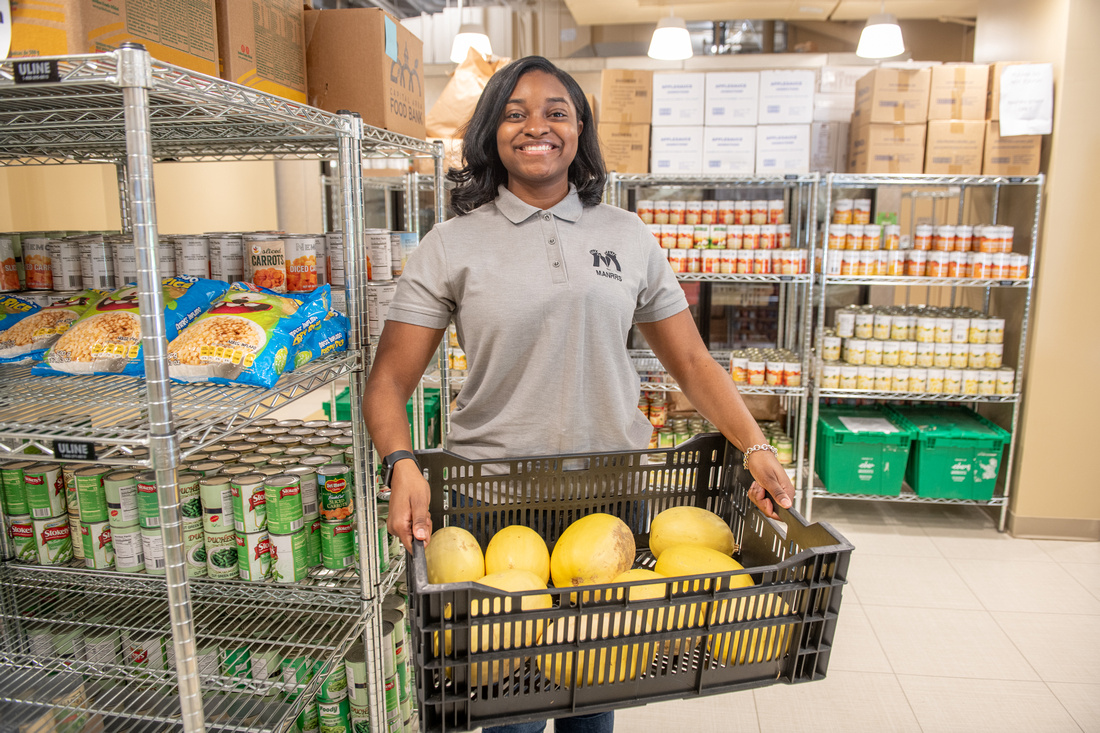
(14,309)
(30,338)
(107,338)
(248,336)
(329,338)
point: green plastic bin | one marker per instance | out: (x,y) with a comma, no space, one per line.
(431,413)
(861,462)
(956,453)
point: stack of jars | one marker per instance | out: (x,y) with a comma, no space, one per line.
(761,211)
(766,367)
(676,430)
(776,436)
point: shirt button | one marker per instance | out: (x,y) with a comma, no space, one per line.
(546,217)
(557,264)
(552,240)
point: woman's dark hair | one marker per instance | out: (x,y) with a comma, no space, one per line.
(483,172)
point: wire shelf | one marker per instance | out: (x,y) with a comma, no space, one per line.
(642,179)
(688,277)
(858,394)
(656,379)
(907,496)
(956,282)
(862,180)
(110,411)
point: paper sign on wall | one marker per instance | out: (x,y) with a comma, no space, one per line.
(1027,99)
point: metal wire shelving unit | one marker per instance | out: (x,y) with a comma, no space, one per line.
(123,108)
(957,197)
(795,301)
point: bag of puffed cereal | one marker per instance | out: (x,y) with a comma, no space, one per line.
(330,337)
(249,335)
(29,338)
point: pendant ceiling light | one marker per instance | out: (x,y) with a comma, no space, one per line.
(881,37)
(671,41)
(470,35)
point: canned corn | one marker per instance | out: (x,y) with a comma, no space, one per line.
(249,503)
(335,486)
(289,556)
(44,487)
(99,550)
(284,504)
(53,539)
(129,553)
(120,491)
(253,556)
(221,554)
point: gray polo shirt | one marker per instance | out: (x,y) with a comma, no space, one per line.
(542,302)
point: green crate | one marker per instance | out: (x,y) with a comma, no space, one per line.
(851,462)
(431,413)
(956,453)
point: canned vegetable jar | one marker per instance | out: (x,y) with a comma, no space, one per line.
(15,495)
(190,500)
(249,503)
(147,500)
(289,556)
(284,504)
(337,544)
(99,550)
(221,555)
(194,549)
(217,503)
(253,556)
(335,488)
(92,498)
(53,540)
(129,553)
(21,533)
(44,487)
(120,490)
(152,546)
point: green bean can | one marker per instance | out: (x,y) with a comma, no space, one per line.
(307,481)
(313,541)
(74,532)
(102,646)
(53,539)
(99,549)
(129,553)
(92,496)
(336,487)
(236,660)
(267,662)
(355,665)
(68,645)
(390,679)
(308,722)
(148,502)
(284,504)
(297,670)
(15,496)
(152,546)
(21,532)
(120,489)
(194,549)
(221,554)
(383,538)
(253,556)
(190,498)
(337,545)
(360,717)
(217,503)
(44,486)
(335,686)
(333,717)
(288,556)
(249,503)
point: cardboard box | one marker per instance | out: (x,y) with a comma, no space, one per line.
(954,147)
(678,99)
(882,148)
(676,150)
(625,147)
(958,92)
(261,44)
(834,107)
(626,96)
(786,97)
(829,147)
(840,79)
(782,149)
(893,95)
(364,60)
(1010,156)
(177,33)
(729,150)
(993,107)
(732,98)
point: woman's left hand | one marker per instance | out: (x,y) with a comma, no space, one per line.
(771,483)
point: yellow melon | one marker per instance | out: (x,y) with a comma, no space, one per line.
(752,645)
(518,548)
(682,560)
(497,636)
(689,525)
(617,660)
(592,550)
(454,556)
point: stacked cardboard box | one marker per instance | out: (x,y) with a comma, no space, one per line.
(888,125)
(679,101)
(625,107)
(1006,156)
(956,124)
(261,45)
(786,113)
(731,100)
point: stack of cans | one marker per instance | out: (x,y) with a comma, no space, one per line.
(37,512)
(121,494)
(97,546)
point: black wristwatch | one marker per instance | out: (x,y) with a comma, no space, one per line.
(391,460)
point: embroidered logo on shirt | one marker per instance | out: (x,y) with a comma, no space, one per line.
(606,260)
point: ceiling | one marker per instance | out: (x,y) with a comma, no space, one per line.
(613,12)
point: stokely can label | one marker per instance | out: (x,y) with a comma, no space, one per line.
(15,496)
(284,504)
(54,540)
(74,532)
(129,553)
(217,503)
(307,481)
(221,555)
(44,486)
(253,556)
(337,544)
(194,549)
(249,503)
(120,490)
(21,533)
(190,501)
(313,541)
(148,502)
(335,488)
(92,497)
(99,549)
(152,546)
(288,556)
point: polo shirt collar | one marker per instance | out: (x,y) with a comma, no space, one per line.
(517,210)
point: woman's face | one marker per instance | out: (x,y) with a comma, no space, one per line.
(537,136)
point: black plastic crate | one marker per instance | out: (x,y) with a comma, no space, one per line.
(707,638)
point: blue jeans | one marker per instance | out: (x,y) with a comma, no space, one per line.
(594,723)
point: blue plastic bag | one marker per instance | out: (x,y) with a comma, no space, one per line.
(330,337)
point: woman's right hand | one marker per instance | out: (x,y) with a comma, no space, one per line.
(410,495)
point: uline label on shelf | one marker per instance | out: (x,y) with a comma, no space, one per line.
(71,450)
(36,71)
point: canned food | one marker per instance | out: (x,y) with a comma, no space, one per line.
(305,262)
(120,492)
(44,488)
(270,451)
(249,503)
(379,297)
(236,660)
(12,482)
(226,257)
(334,248)
(166,257)
(21,534)
(288,441)
(289,556)
(129,553)
(99,550)
(307,482)
(9,272)
(207,656)
(284,504)
(266,262)
(92,497)
(355,666)
(313,541)
(335,488)
(102,646)
(53,540)
(66,265)
(283,462)
(37,263)
(152,546)
(883,379)
(308,722)
(335,686)
(253,460)
(379,254)
(333,717)
(221,554)
(253,556)
(146,650)
(194,550)
(217,503)
(148,503)
(337,544)
(206,467)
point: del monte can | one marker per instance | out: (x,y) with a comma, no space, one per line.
(335,487)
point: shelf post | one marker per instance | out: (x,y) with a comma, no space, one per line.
(135,79)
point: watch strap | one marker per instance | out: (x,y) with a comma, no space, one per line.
(391,460)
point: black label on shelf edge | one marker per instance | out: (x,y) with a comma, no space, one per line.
(71,450)
(37,71)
